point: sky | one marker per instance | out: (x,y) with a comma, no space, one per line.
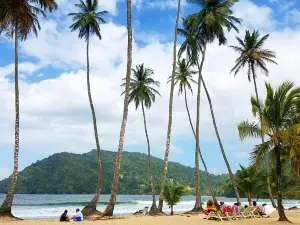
(54,107)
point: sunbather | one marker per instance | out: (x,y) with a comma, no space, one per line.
(210,207)
(244,208)
(260,208)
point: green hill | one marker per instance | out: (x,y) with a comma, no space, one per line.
(77,174)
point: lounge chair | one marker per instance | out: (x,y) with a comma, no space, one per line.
(142,211)
(247,213)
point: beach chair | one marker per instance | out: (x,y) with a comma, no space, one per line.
(247,213)
(233,214)
(145,211)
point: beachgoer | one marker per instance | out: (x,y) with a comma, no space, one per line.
(78,216)
(64,217)
(260,208)
(222,205)
(210,207)
(235,208)
(244,208)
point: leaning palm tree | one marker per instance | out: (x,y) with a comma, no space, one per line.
(17,20)
(184,78)
(253,55)
(87,21)
(168,141)
(281,123)
(112,201)
(205,26)
(142,93)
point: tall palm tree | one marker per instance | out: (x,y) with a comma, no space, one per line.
(281,123)
(112,201)
(184,78)
(168,141)
(17,20)
(253,55)
(207,25)
(87,21)
(142,93)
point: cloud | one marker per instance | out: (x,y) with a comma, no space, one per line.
(293,17)
(55,114)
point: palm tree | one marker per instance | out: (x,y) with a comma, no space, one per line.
(142,93)
(207,25)
(281,123)
(172,193)
(87,21)
(250,181)
(168,141)
(18,20)
(112,201)
(183,78)
(254,56)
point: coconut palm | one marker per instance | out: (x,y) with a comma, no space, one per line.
(17,20)
(253,56)
(172,193)
(207,25)
(112,201)
(143,94)
(250,181)
(184,78)
(87,22)
(168,140)
(281,124)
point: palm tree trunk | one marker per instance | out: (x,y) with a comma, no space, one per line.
(263,141)
(208,180)
(280,208)
(249,199)
(220,143)
(91,207)
(166,159)
(5,209)
(153,209)
(197,206)
(172,210)
(112,201)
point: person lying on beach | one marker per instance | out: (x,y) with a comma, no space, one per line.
(64,217)
(210,207)
(78,216)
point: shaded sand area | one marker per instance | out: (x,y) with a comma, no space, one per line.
(294,216)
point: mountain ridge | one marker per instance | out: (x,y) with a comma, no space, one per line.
(71,173)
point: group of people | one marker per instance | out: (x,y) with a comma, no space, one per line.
(78,217)
(263,209)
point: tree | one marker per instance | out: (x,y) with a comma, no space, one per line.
(112,201)
(254,56)
(17,20)
(87,21)
(205,26)
(168,140)
(184,78)
(250,181)
(142,93)
(281,123)
(172,193)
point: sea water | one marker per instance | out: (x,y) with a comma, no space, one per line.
(49,206)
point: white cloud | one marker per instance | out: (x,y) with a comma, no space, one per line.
(55,113)
(254,16)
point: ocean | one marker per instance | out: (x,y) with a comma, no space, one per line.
(49,206)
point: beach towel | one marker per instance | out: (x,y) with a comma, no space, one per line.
(268,210)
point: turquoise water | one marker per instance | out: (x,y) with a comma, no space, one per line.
(45,206)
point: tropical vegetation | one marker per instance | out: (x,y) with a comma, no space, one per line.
(173,192)
(142,93)
(87,21)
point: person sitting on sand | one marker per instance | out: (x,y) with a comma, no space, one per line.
(210,207)
(64,217)
(78,216)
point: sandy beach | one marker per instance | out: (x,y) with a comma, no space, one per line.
(294,217)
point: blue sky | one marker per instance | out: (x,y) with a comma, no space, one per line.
(55,114)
